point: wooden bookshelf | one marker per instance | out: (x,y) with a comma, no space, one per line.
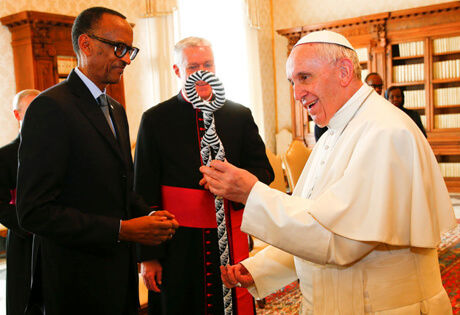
(42,50)
(418,50)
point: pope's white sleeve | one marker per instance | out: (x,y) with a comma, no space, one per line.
(271,269)
(284,222)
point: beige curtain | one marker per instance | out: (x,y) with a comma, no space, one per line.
(252,12)
(159,24)
(154,8)
(255,80)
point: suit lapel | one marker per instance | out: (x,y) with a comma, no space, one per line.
(91,109)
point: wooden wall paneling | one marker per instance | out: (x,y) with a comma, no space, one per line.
(38,38)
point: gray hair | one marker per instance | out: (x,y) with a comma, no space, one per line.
(185,43)
(17,100)
(333,52)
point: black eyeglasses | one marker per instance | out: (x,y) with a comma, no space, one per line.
(120,48)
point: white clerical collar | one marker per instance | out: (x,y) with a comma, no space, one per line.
(347,111)
(95,91)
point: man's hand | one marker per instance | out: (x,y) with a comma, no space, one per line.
(204,183)
(169,216)
(151,272)
(225,180)
(236,274)
(149,230)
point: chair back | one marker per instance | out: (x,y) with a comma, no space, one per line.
(294,160)
(276,163)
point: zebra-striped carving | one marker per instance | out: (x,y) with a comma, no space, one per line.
(212,149)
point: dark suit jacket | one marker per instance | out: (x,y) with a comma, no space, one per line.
(416,118)
(19,242)
(74,186)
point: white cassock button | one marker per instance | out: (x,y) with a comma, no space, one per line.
(331,133)
(322,162)
(326,147)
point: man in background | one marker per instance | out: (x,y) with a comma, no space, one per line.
(361,229)
(375,81)
(75,177)
(395,95)
(18,241)
(183,274)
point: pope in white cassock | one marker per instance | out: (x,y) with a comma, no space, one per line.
(361,228)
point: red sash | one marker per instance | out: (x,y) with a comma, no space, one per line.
(195,208)
(192,207)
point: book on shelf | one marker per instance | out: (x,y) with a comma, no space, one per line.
(423,119)
(450,169)
(408,73)
(447,69)
(446,96)
(65,64)
(446,121)
(414,99)
(445,45)
(411,49)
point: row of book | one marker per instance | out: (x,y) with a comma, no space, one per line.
(409,73)
(445,121)
(447,96)
(440,45)
(362,54)
(450,169)
(414,99)
(411,49)
(65,64)
(443,45)
(447,69)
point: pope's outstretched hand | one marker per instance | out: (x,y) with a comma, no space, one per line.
(232,275)
(226,180)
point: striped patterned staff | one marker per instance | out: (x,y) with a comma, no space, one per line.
(212,149)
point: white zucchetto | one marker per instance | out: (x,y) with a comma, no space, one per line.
(327,37)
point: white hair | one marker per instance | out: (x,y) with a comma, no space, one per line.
(333,52)
(185,43)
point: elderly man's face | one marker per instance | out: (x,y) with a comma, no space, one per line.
(315,81)
(196,58)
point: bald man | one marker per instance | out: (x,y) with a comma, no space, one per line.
(375,81)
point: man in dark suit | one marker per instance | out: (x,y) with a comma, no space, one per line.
(75,175)
(18,241)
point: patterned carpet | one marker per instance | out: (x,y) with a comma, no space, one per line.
(287,300)
(449,262)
